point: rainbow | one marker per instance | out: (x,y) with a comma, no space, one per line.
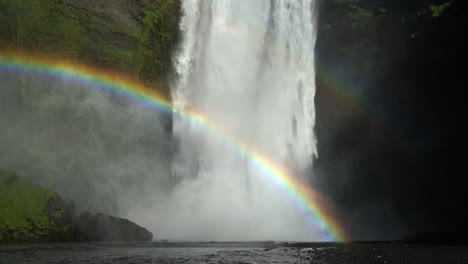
(303,195)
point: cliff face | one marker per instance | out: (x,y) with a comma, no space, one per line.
(133,37)
(76,132)
(390,114)
(74,140)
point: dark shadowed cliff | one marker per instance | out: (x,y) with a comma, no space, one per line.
(391,108)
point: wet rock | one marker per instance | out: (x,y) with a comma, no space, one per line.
(101,227)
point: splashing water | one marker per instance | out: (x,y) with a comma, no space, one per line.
(249,67)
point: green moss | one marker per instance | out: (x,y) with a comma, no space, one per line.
(160,27)
(361,18)
(24,212)
(140,48)
(42,25)
(382,10)
(437,10)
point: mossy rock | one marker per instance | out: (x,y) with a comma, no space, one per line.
(30,213)
(132,37)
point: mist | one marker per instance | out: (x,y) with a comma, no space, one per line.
(103,151)
(114,155)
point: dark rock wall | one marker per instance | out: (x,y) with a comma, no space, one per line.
(390,114)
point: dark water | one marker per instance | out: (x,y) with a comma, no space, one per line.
(156,252)
(258,252)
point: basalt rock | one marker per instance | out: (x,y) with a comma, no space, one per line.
(101,227)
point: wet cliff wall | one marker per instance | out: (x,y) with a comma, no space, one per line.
(390,114)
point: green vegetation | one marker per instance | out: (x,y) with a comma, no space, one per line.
(160,31)
(362,18)
(358,26)
(382,10)
(356,22)
(39,25)
(138,43)
(357,15)
(133,37)
(437,10)
(27,213)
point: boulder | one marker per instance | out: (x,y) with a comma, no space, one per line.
(101,227)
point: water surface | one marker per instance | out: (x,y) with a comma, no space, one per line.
(232,252)
(155,252)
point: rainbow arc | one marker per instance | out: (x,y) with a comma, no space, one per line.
(304,196)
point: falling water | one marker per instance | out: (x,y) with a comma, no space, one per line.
(248,66)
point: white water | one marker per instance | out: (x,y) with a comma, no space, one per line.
(248,66)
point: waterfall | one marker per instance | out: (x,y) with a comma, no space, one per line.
(248,67)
